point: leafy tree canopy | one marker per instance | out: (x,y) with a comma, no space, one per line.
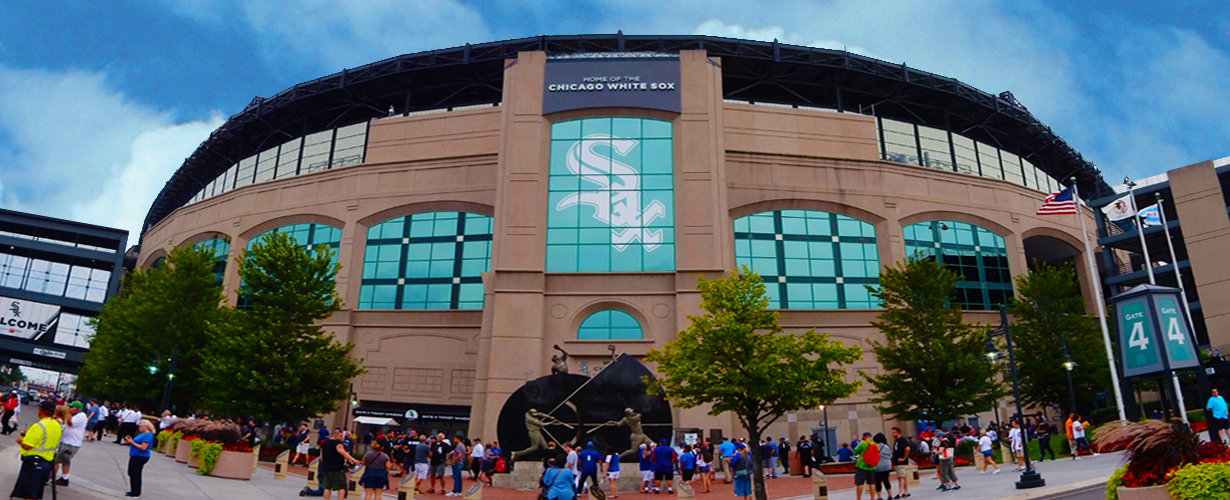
(171,305)
(933,367)
(1048,314)
(273,360)
(736,358)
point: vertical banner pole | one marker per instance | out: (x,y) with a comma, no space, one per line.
(1096,284)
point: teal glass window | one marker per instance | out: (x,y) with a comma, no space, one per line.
(810,259)
(977,254)
(431,260)
(308,235)
(611,199)
(610,324)
(219,248)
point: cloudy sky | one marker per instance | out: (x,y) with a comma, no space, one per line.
(101,101)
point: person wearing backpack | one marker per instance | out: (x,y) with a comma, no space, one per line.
(867,457)
(741,465)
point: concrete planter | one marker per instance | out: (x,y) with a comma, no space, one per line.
(1146,493)
(183,451)
(193,462)
(233,465)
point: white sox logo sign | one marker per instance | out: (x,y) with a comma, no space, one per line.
(616,197)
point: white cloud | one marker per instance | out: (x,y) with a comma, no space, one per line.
(336,35)
(81,150)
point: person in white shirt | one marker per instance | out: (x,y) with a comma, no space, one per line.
(988,452)
(1017,445)
(70,440)
(167,419)
(477,452)
(101,427)
(1078,435)
(128,422)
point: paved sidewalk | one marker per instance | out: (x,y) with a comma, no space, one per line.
(1060,475)
(100,470)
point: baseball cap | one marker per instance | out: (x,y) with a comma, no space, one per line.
(661,441)
(589,444)
(76,404)
(866,434)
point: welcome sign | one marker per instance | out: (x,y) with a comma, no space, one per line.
(26,319)
(581,83)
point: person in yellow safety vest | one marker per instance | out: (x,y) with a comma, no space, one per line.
(38,449)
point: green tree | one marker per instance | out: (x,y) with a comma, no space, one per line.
(1048,313)
(10,373)
(932,361)
(156,310)
(273,360)
(737,359)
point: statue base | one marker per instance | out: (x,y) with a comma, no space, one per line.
(525,476)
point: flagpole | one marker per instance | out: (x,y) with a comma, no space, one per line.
(1096,283)
(1161,211)
(1191,325)
(1140,231)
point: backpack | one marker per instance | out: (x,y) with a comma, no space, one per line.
(871,456)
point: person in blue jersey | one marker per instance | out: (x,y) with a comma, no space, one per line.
(726,452)
(646,467)
(557,482)
(687,464)
(588,462)
(611,467)
(664,460)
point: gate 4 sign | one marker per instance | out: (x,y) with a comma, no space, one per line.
(1179,349)
(1137,340)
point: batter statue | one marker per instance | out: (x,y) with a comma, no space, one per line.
(637,437)
(559,364)
(535,426)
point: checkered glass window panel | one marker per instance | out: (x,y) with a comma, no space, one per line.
(810,259)
(431,260)
(975,253)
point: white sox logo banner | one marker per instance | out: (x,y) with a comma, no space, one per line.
(614,191)
(26,319)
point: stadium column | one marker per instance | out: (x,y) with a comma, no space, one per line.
(1199,204)
(704,229)
(511,347)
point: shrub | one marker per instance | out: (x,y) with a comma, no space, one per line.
(240,446)
(207,452)
(1113,484)
(1194,416)
(1203,481)
(1154,448)
(211,430)
(175,437)
(162,438)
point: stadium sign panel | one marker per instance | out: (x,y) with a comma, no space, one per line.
(26,319)
(582,83)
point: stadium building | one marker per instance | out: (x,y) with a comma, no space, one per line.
(492,201)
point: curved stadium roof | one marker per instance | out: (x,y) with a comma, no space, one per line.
(754,71)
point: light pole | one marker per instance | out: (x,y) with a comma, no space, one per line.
(825,409)
(166,392)
(1068,365)
(351,400)
(1030,478)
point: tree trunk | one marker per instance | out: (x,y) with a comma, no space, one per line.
(753,442)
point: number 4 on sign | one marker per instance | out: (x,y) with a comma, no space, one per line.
(1173,332)
(1138,338)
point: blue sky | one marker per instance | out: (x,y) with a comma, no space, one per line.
(101,101)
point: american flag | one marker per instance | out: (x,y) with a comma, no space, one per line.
(1058,203)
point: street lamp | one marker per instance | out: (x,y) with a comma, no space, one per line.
(351,401)
(1068,365)
(1030,478)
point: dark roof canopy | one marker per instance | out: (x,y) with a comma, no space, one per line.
(751,71)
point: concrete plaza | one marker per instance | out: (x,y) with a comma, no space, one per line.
(99,471)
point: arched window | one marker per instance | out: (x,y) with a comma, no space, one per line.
(810,259)
(611,203)
(308,235)
(219,248)
(431,260)
(610,324)
(977,254)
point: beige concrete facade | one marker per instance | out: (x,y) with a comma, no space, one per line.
(1201,207)
(730,160)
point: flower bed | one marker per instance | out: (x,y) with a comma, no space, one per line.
(1164,454)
